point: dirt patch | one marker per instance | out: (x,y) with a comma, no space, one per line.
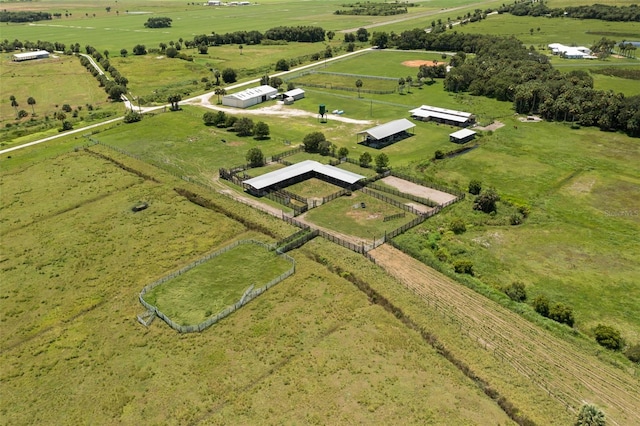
(418,190)
(493,126)
(417,62)
(530,119)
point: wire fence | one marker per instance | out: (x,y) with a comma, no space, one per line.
(249,295)
(391,201)
(422,182)
(393,191)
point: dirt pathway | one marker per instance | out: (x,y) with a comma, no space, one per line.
(569,375)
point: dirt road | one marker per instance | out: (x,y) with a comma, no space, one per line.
(571,376)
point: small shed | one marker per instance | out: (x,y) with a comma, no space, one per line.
(462,136)
(249,97)
(296,94)
(28,56)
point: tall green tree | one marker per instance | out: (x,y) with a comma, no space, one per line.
(255,157)
(31,101)
(382,162)
(14,103)
(312,141)
(261,130)
(219,91)
(365,159)
(174,100)
(359,86)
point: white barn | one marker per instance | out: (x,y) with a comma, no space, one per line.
(27,56)
(249,97)
(571,52)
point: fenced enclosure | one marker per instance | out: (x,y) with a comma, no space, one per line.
(250,293)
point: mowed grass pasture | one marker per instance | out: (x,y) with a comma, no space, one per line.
(209,288)
(72,331)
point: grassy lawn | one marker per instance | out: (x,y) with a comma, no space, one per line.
(342,82)
(207,289)
(313,188)
(345,215)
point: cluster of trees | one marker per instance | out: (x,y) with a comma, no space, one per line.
(558,312)
(604,12)
(242,126)
(158,22)
(284,34)
(12,46)
(24,16)
(22,113)
(117,86)
(361,35)
(628,73)
(300,33)
(274,82)
(374,9)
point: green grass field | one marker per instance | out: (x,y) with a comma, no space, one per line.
(207,289)
(313,188)
(346,216)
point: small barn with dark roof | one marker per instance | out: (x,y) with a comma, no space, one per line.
(386,134)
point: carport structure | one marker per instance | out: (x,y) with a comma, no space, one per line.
(386,134)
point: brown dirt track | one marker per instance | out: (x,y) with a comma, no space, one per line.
(571,376)
(416,63)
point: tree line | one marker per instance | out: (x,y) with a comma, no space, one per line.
(114,88)
(604,12)
(24,16)
(374,9)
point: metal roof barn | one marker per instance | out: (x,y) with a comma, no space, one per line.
(27,56)
(249,97)
(298,169)
(443,115)
(462,136)
(388,129)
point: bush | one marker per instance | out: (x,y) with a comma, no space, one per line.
(312,141)
(255,157)
(590,415)
(486,201)
(132,117)
(633,353)
(463,266)
(475,186)
(541,305)
(209,118)
(244,126)
(608,337)
(562,313)
(458,226)
(365,159)
(282,65)
(515,219)
(261,130)
(438,155)
(516,291)
(229,75)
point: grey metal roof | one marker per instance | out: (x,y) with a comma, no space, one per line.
(388,129)
(293,93)
(301,168)
(253,92)
(423,113)
(461,134)
(444,111)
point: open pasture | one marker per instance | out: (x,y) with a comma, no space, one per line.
(345,82)
(209,288)
(54,88)
(347,216)
(69,303)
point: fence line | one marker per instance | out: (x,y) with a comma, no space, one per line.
(427,184)
(246,298)
(417,199)
(391,201)
(394,216)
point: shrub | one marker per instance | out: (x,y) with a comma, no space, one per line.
(132,117)
(633,353)
(442,254)
(486,201)
(282,65)
(463,266)
(209,118)
(438,155)
(608,337)
(365,159)
(229,75)
(475,186)
(261,130)
(244,126)
(230,121)
(458,226)
(562,314)
(515,219)
(516,291)
(590,415)
(255,157)
(541,305)
(312,141)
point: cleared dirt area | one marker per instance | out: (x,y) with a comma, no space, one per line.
(418,190)
(416,63)
(571,376)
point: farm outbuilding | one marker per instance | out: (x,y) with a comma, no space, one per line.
(388,133)
(28,56)
(249,97)
(571,52)
(462,136)
(443,115)
(295,94)
(297,173)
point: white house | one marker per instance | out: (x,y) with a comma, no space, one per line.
(214,3)
(571,52)
(249,97)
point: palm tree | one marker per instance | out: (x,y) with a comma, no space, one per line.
(358,85)
(220,91)
(14,103)
(31,101)
(217,75)
(590,415)
(174,99)
(409,81)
